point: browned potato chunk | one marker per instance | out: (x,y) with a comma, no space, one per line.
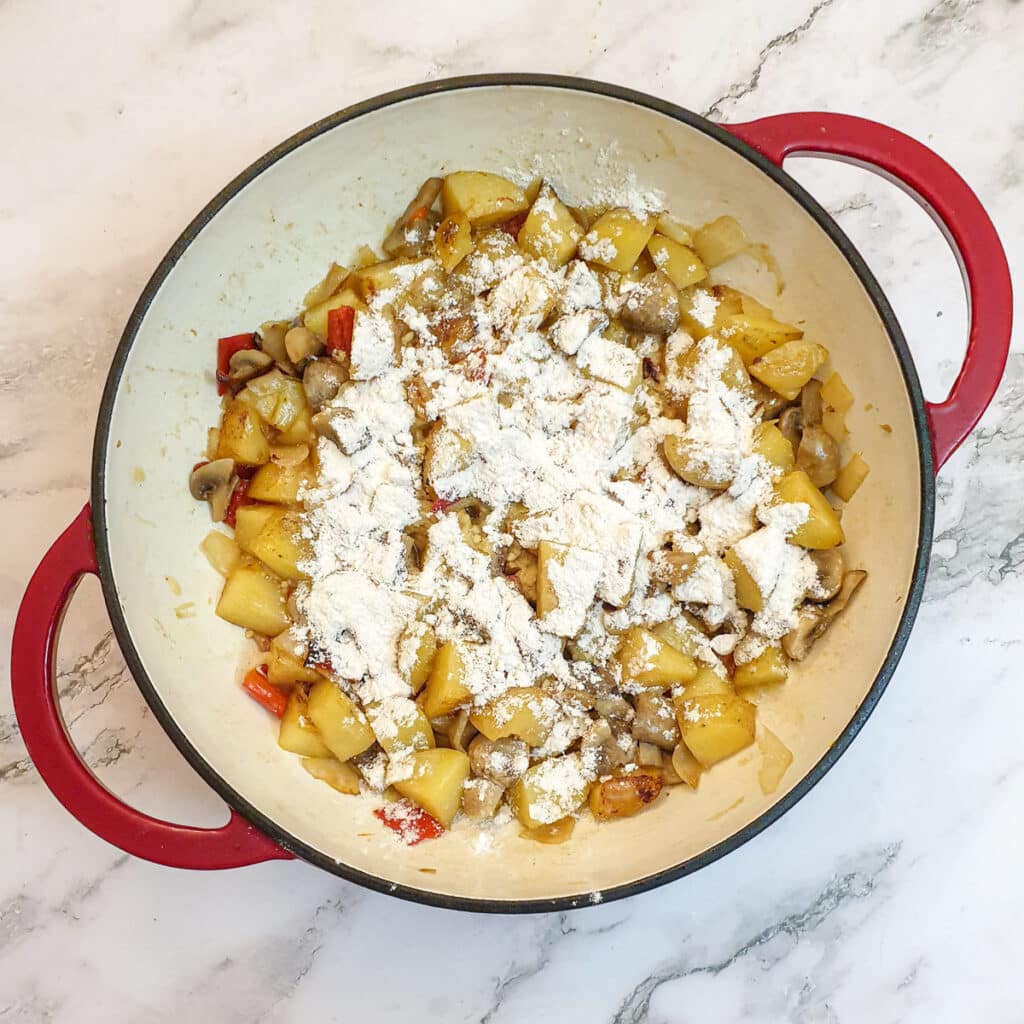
(622,796)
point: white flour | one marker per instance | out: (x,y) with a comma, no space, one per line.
(555,420)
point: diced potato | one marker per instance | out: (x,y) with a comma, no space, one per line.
(720,240)
(286,662)
(426,650)
(222,552)
(377,277)
(833,422)
(586,568)
(682,633)
(444,690)
(834,392)
(400,724)
(550,790)
(851,476)
(789,367)
(772,444)
(280,546)
(554,834)
(686,766)
(706,683)
(748,595)
(253,599)
(337,774)
(650,662)
(279,484)
(445,454)
(734,374)
(316,317)
(821,529)
(754,336)
(242,436)
(716,727)
(523,711)
(680,263)
(249,520)
(698,464)
(298,734)
(769,667)
(436,782)
(484,198)
(776,758)
(278,398)
(673,229)
(323,290)
(616,239)
(602,359)
(624,795)
(341,725)
(550,231)
(453,240)
(547,598)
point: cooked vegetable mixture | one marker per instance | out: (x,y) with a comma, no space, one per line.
(522,514)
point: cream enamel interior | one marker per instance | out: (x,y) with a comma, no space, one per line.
(254,260)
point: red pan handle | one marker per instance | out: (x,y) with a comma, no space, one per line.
(962,219)
(33,682)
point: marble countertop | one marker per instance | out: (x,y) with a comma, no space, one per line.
(888,894)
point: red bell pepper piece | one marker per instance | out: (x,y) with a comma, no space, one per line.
(410,823)
(340,323)
(273,699)
(239,497)
(226,348)
(442,505)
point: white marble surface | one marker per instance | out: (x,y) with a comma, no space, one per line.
(891,893)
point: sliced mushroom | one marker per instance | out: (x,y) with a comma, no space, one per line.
(322,380)
(501,761)
(615,708)
(814,620)
(655,721)
(829,564)
(791,424)
(810,403)
(652,306)
(248,363)
(771,403)
(460,731)
(648,755)
(300,343)
(818,455)
(272,343)
(396,240)
(480,797)
(213,482)
(602,749)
